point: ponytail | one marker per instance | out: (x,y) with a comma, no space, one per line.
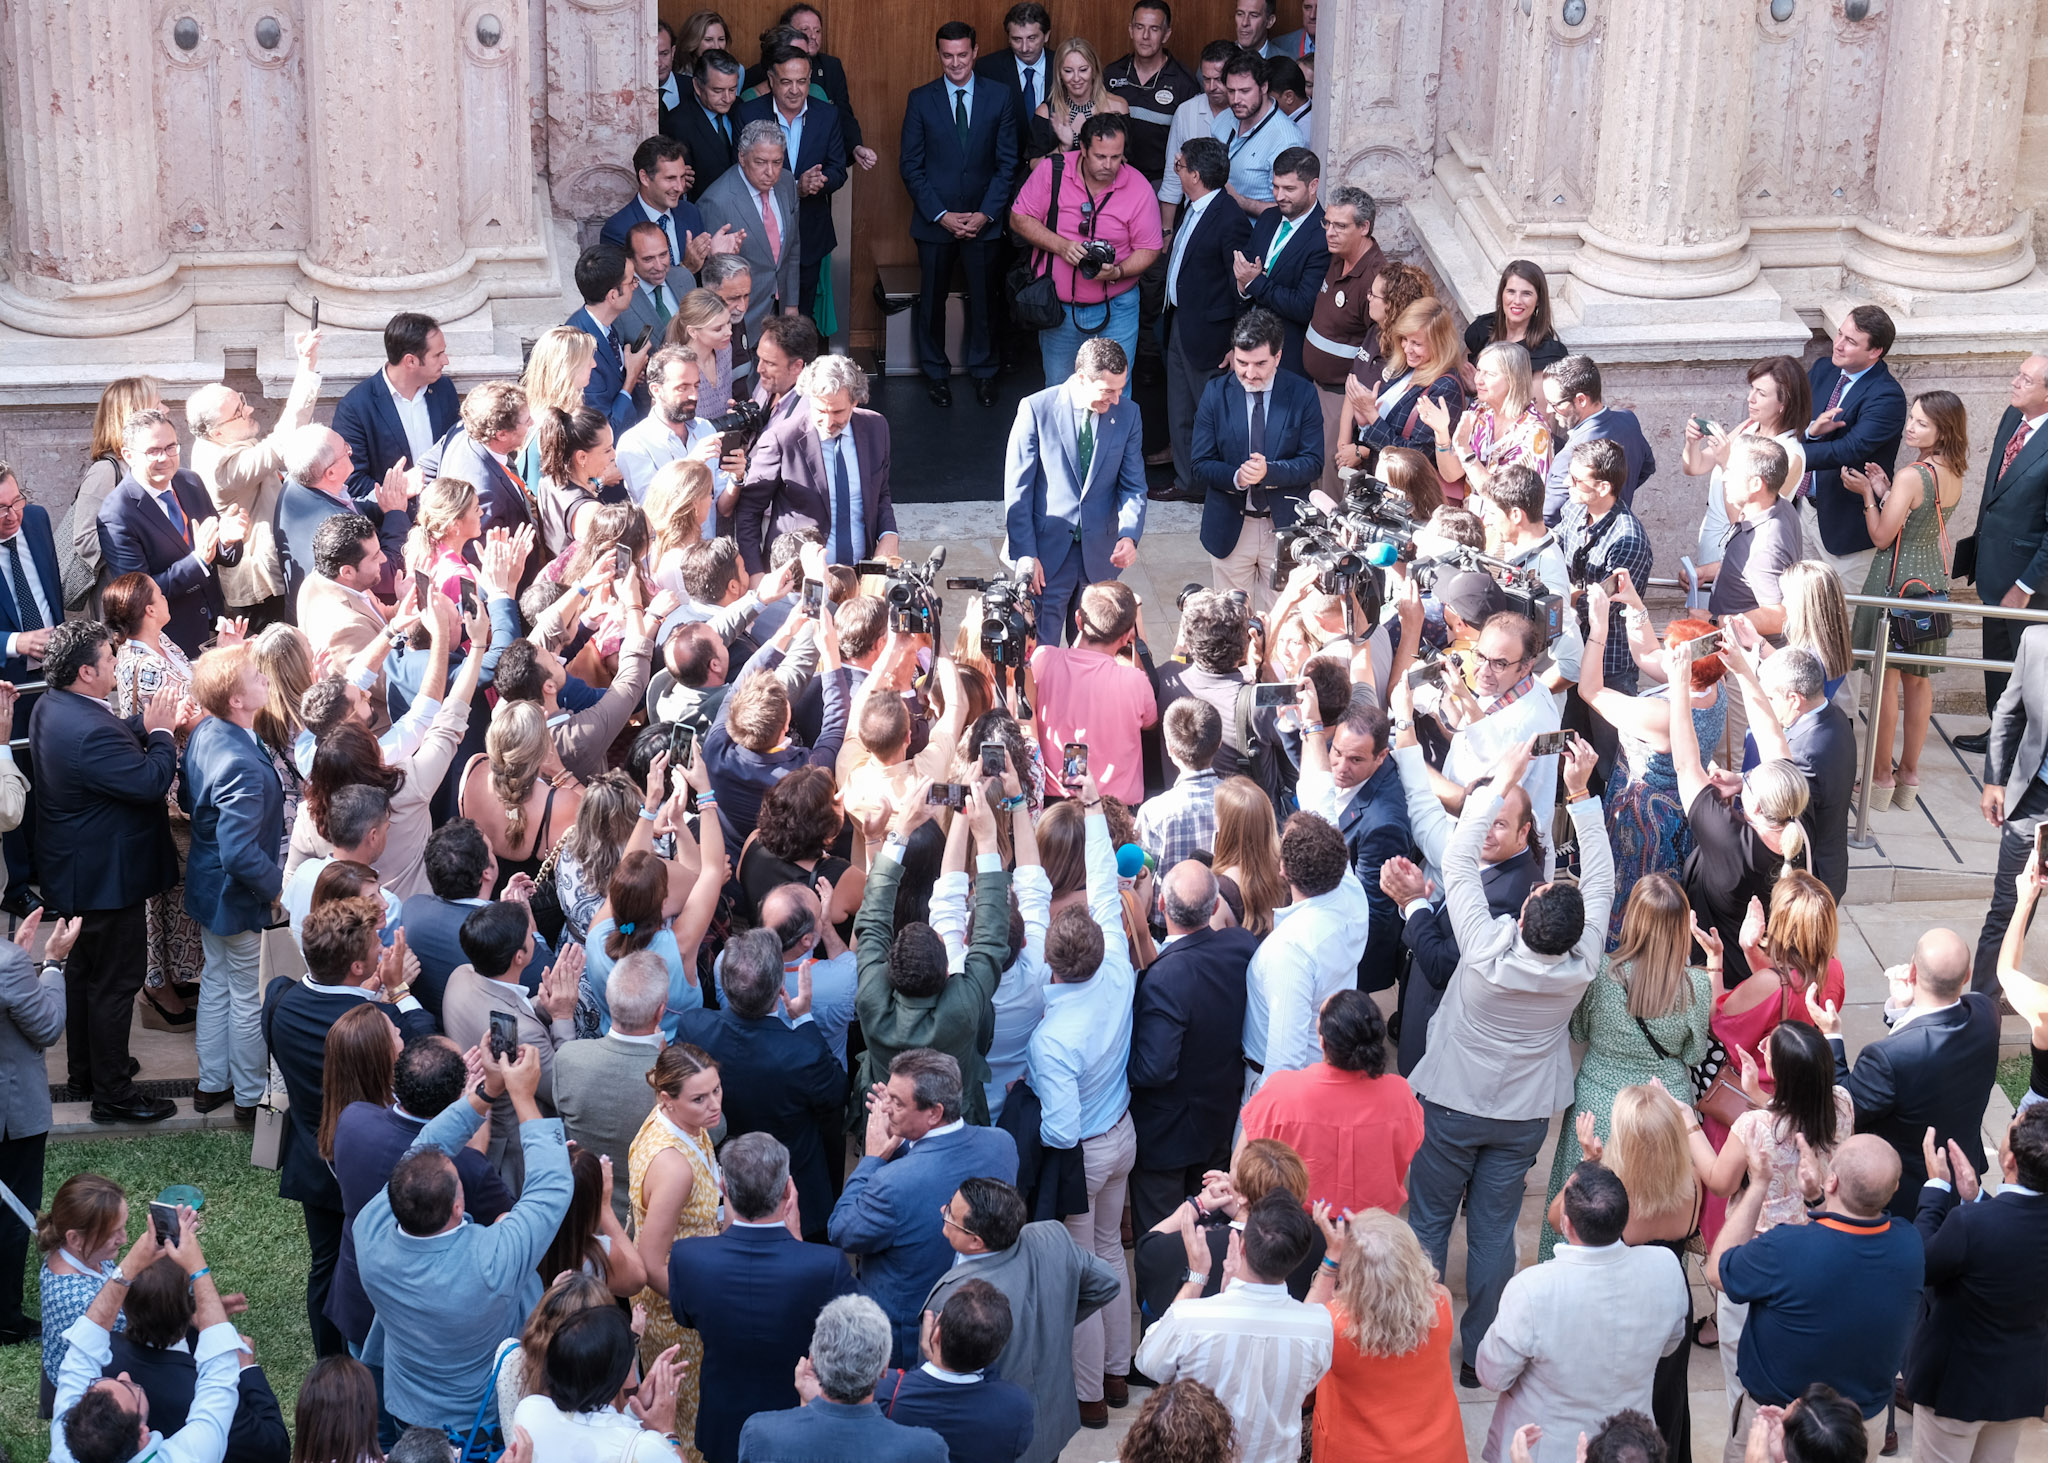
(563,434)
(1796,846)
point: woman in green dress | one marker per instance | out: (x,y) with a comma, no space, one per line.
(1644,1019)
(1906,519)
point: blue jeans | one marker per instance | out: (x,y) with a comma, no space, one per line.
(1485,1162)
(1058,346)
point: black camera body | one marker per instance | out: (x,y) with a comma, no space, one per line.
(740,423)
(914,603)
(1523,587)
(1008,610)
(1095,255)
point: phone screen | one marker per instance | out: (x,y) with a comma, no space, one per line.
(316,316)
(682,741)
(1275,694)
(504,1036)
(2041,843)
(995,761)
(1547,744)
(1612,583)
(1073,762)
(468,588)
(1688,651)
(424,584)
(814,598)
(947,795)
(163,1218)
(622,562)
(1423,674)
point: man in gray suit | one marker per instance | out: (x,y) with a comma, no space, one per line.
(2015,798)
(1074,484)
(601,1091)
(1053,1285)
(759,196)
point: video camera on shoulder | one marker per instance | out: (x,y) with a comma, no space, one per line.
(1008,609)
(914,603)
(1526,593)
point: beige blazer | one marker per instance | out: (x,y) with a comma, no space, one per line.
(249,474)
(344,621)
(466,1007)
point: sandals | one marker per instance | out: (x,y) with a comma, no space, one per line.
(1904,796)
(1699,1324)
(1881,794)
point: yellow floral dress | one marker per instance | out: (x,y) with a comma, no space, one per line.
(699,1218)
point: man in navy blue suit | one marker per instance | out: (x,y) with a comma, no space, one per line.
(394,415)
(159,521)
(704,122)
(1202,301)
(1859,416)
(495,424)
(318,467)
(1349,777)
(31,606)
(231,793)
(1258,450)
(959,161)
(103,848)
(1074,484)
(604,277)
(1577,414)
(983,1418)
(753,1293)
(662,167)
(817,156)
(1284,267)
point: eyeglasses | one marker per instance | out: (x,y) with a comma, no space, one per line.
(12,505)
(947,1221)
(1499,665)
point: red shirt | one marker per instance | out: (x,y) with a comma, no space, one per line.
(1086,696)
(1357,1134)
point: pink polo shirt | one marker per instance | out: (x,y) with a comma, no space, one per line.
(1086,696)
(1126,215)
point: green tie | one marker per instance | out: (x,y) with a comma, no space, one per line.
(960,114)
(661,311)
(1085,447)
(1279,240)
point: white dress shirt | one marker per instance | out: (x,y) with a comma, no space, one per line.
(16,544)
(412,415)
(651,444)
(1257,1348)
(1311,954)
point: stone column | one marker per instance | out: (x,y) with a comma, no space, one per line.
(86,253)
(601,101)
(1666,220)
(1948,155)
(384,138)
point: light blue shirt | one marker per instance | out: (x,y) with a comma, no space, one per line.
(1311,954)
(835,450)
(1181,234)
(215,1393)
(683,994)
(1078,1055)
(1251,155)
(792,131)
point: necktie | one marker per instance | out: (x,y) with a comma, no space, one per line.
(1084,445)
(1811,481)
(668,226)
(1279,241)
(24,598)
(1030,92)
(661,309)
(512,472)
(169,499)
(960,114)
(1255,496)
(725,136)
(842,505)
(774,229)
(2012,449)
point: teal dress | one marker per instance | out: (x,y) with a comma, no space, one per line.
(1922,555)
(1619,1054)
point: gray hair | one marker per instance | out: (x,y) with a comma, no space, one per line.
(756,1169)
(308,452)
(754,134)
(207,408)
(1181,912)
(637,990)
(934,1079)
(723,62)
(141,421)
(850,1347)
(354,812)
(1357,200)
(750,973)
(721,267)
(1795,670)
(828,374)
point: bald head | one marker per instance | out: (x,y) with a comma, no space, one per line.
(1866,1175)
(793,912)
(1189,897)
(1941,965)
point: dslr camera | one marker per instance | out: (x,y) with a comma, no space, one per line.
(1094,255)
(914,603)
(739,424)
(1007,608)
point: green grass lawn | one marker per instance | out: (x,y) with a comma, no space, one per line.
(2013,1075)
(255,1242)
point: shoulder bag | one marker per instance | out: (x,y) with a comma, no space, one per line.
(1034,298)
(1917,627)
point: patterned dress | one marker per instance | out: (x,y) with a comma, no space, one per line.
(1525,440)
(699,1218)
(1921,556)
(175,952)
(64,1299)
(1645,819)
(1618,1055)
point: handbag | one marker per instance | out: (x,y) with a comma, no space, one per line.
(1034,298)
(1724,1100)
(1912,628)
(546,903)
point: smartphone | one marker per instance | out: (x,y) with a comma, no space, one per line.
(645,336)
(163,1218)
(1705,427)
(2041,844)
(947,795)
(622,561)
(1275,693)
(1073,762)
(814,598)
(1424,674)
(316,314)
(1688,651)
(504,1037)
(1611,585)
(424,583)
(682,745)
(995,761)
(468,591)
(1548,744)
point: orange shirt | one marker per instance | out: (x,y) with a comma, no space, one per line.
(1390,1409)
(1357,1134)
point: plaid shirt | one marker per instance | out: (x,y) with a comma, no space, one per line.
(1181,819)
(1595,550)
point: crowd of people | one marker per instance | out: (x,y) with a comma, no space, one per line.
(784,1031)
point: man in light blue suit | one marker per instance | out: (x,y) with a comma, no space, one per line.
(230,791)
(1074,484)
(919,1150)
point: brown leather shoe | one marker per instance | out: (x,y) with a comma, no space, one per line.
(1116,1391)
(203,1101)
(1095,1414)
(246,1116)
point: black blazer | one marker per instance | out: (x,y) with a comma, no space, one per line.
(1289,290)
(710,153)
(753,1295)
(296,1020)
(1375,829)
(989,1421)
(137,536)
(39,561)
(1873,419)
(1824,748)
(103,829)
(2013,515)
(169,1378)
(1936,1073)
(1980,1350)
(1000,67)
(783,1081)
(1206,288)
(1187,1048)
(1433,950)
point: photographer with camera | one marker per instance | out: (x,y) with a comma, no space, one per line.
(1510,503)
(673,432)
(827,467)
(1101,233)
(1092,693)
(1059,532)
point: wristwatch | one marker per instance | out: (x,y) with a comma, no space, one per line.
(1195,1277)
